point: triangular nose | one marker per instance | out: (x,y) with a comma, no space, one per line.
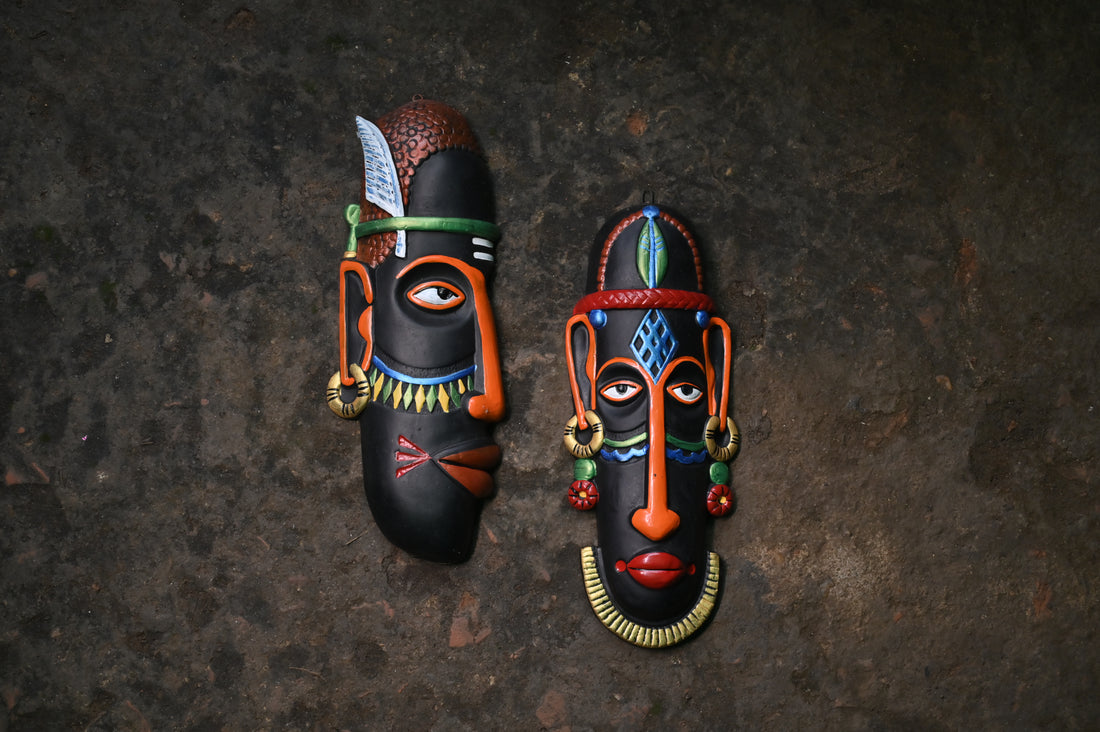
(655,522)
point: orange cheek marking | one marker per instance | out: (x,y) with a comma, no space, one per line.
(364,331)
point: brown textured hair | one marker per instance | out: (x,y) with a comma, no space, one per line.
(413,131)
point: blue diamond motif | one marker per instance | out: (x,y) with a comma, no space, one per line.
(654,344)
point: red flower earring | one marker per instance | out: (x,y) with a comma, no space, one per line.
(583,494)
(719,500)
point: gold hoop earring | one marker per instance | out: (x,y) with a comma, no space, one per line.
(576,449)
(721,453)
(352,409)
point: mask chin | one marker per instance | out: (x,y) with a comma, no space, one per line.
(648,633)
(651,582)
(426,479)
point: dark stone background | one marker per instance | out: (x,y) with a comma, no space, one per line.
(899,203)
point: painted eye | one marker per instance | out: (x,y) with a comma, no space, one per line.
(686,392)
(436,296)
(620,391)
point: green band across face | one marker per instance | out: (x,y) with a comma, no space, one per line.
(670,439)
(684,444)
(471,227)
(628,442)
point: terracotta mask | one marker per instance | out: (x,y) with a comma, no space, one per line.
(418,348)
(651,434)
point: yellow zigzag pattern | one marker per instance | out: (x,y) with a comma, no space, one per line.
(419,397)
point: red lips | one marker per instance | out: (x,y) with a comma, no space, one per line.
(657,570)
(470,468)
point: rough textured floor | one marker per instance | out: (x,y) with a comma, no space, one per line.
(899,204)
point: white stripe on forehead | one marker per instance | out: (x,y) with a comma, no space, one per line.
(486,244)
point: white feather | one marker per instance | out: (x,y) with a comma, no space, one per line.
(380,174)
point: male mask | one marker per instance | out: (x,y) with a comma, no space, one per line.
(418,350)
(649,369)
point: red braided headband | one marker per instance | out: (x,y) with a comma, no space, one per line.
(639,299)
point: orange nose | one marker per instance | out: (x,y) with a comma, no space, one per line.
(489,405)
(656,520)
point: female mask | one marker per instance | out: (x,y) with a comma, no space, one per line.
(651,436)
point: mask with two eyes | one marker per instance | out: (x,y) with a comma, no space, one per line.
(651,434)
(418,351)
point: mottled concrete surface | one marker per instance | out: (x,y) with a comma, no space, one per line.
(900,206)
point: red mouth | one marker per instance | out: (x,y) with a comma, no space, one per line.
(658,570)
(470,468)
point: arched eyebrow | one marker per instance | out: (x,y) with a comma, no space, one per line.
(453,262)
(622,361)
(692,365)
(677,363)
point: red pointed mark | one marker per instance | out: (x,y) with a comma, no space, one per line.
(414,457)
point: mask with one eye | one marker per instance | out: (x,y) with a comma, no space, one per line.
(651,435)
(418,357)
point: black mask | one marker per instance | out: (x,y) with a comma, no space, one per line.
(418,350)
(650,376)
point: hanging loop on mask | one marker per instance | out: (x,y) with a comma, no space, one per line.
(352,409)
(721,453)
(575,448)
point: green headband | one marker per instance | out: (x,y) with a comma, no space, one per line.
(473,227)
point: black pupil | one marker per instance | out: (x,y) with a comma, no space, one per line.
(444,294)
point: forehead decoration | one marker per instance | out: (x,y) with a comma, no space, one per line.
(418,355)
(421,128)
(651,435)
